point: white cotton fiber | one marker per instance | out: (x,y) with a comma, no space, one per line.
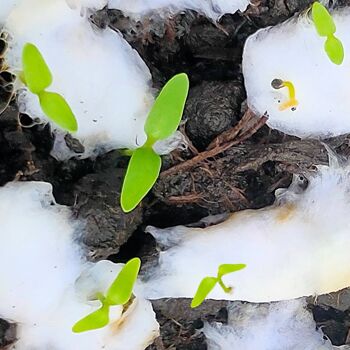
(293,51)
(6,7)
(213,9)
(283,325)
(38,257)
(103,79)
(46,285)
(297,247)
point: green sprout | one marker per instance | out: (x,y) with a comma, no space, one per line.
(208,283)
(162,121)
(119,293)
(37,77)
(325,27)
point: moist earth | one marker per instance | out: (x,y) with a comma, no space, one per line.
(242,176)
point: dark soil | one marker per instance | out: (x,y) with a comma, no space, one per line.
(242,176)
(180,325)
(7,333)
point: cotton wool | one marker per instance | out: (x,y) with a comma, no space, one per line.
(297,247)
(213,9)
(285,325)
(293,51)
(46,284)
(102,78)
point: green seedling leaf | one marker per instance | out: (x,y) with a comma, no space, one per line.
(166,113)
(36,73)
(323,20)
(334,49)
(205,287)
(142,173)
(95,320)
(225,269)
(120,291)
(58,110)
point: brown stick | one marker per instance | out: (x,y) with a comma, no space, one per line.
(218,148)
(189,198)
(232,133)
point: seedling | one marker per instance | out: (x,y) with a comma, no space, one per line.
(325,27)
(292,101)
(208,283)
(162,121)
(37,77)
(119,293)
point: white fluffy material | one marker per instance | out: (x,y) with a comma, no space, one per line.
(103,79)
(283,325)
(297,247)
(39,265)
(213,9)
(6,7)
(293,51)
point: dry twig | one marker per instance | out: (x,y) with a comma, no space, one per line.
(246,127)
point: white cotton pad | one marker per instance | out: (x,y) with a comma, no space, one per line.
(213,9)
(297,247)
(285,325)
(293,51)
(6,7)
(103,79)
(46,284)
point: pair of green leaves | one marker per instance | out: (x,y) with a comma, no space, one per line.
(208,283)
(37,77)
(162,121)
(325,27)
(119,293)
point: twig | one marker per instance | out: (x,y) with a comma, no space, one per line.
(190,198)
(159,343)
(232,133)
(220,147)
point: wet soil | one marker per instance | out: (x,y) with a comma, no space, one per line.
(242,176)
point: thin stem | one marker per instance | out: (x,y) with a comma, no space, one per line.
(127,152)
(292,101)
(291,89)
(149,142)
(222,285)
(101,298)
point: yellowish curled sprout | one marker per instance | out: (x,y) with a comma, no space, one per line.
(292,101)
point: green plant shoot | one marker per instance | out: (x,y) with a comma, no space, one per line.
(205,287)
(162,121)
(166,113)
(58,110)
(142,173)
(95,320)
(208,283)
(119,293)
(325,27)
(36,73)
(323,20)
(334,49)
(225,269)
(126,278)
(37,77)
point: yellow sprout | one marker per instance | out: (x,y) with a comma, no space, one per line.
(292,101)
